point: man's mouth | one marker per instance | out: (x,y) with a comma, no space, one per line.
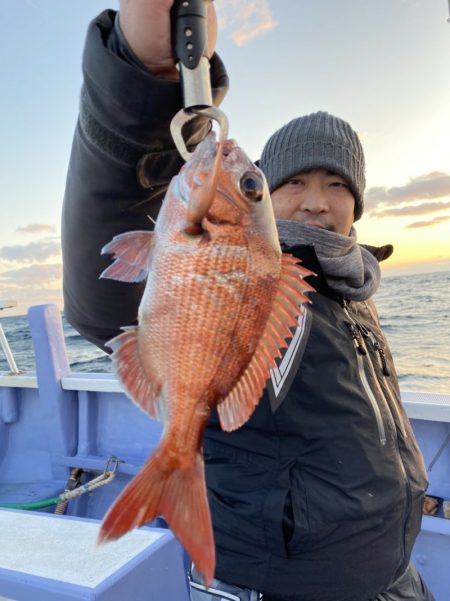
(315,224)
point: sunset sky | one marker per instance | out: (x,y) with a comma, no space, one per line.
(382,65)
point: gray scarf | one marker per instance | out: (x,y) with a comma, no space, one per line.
(349,268)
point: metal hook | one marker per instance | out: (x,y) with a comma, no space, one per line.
(114,462)
(185,115)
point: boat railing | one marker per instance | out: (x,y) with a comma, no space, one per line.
(420,405)
(8,304)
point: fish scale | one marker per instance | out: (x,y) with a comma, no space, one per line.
(201,304)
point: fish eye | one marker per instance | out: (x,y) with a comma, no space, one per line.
(252,186)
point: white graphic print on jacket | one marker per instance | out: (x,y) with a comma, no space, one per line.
(281,376)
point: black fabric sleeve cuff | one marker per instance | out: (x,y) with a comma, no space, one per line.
(124,104)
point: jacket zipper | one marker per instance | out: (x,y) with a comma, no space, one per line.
(397,447)
(369,334)
(360,351)
(377,346)
(386,373)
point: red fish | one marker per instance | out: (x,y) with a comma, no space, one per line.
(217,307)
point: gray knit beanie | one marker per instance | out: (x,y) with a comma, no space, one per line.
(316,141)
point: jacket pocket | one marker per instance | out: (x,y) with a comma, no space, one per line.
(296,515)
(273,518)
(285,514)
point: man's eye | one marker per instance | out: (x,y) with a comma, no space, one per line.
(295,181)
(340,185)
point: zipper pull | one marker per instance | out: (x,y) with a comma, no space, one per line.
(353,327)
(384,366)
(356,336)
(377,346)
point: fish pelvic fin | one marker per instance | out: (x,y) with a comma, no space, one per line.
(237,407)
(131,252)
(180,496)
(142,389)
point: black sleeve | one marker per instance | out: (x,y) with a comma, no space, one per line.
(121,163)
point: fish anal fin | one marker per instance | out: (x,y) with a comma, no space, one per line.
(180,496)
(131,252)
(142,389)
(237,407)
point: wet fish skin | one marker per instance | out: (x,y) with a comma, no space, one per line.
(216,309)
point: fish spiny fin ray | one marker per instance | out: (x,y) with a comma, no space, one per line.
(138,386)
(158,489)
(239,404)
(131,252)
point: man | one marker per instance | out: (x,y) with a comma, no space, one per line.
(319,496)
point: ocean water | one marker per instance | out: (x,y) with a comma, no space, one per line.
(414,312)
(415,316)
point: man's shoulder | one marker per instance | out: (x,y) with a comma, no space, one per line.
(381,253)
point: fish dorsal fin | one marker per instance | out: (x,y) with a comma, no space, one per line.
(239,404)
(142,389)
(131,252)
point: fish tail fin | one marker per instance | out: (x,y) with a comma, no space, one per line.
(179,494)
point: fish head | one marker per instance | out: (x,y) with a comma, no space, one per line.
(241,199)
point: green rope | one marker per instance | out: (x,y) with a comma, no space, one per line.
(31,506)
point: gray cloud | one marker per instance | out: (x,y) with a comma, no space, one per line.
(34,251)
(430,185)
(244,20)
(397,201)
(429,223)
(36,228)
(32,275)
(422,209)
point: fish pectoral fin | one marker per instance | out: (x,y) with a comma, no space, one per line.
(131,252)
(180,496)
(144,391)
(237,407)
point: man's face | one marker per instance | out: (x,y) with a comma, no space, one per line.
(317,198)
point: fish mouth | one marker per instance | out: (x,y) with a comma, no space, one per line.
(228,147)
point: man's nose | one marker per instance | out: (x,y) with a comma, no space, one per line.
(314,200)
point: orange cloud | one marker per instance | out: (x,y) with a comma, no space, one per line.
(245,20)
(429,223)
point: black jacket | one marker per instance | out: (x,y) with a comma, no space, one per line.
(319,496)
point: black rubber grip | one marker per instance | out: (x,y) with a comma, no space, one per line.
(189,31)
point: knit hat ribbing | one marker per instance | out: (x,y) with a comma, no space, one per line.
(316,141)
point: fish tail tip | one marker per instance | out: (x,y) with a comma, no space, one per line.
(205,566)
(102,538)
(208,576)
